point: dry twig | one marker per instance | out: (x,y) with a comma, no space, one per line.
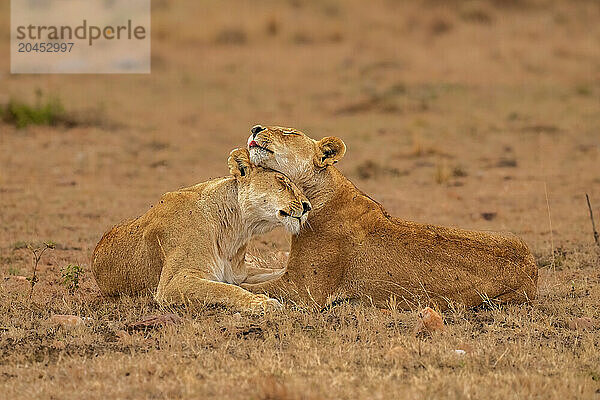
(37,256)
(596,236)
(550,224)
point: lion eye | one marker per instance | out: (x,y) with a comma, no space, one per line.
(290,133)
(285,184)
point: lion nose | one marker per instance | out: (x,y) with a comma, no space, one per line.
(306,207)
(256,129)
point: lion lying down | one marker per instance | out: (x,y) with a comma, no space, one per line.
(191,245)
(351,248)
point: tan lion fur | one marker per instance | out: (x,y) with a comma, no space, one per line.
(190,246)
(351,248)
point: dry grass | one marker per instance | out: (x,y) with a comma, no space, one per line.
(348,351)
(476,114)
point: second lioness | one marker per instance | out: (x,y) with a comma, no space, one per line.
(351,248)
(191,245)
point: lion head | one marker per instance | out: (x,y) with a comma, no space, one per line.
(267,198)
(292,152)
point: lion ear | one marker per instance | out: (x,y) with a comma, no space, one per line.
(329,151)
(239,163)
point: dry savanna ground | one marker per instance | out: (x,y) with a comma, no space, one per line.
(478,114)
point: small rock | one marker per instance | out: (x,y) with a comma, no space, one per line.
(122,334)
(155,321)
(488,216)
(506,163)
(19,278)
(66,320)
(465,348)
(583,323)
(460,352)
(59,344)
(397,353)
(429,321)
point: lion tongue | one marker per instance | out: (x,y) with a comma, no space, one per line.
(253,144)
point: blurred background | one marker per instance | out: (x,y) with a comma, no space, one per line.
(478,114)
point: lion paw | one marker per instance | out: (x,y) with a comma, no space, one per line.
(264,303)
(274,304)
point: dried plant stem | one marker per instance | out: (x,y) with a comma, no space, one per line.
(550,224)
(37,256)
(500,358)
(596,235)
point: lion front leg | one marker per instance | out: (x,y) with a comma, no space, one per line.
(257,275)
(190,286)
(282,288)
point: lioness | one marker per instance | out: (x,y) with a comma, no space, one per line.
(190,246)
(351,248)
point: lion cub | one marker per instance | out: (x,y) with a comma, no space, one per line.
(190,246)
